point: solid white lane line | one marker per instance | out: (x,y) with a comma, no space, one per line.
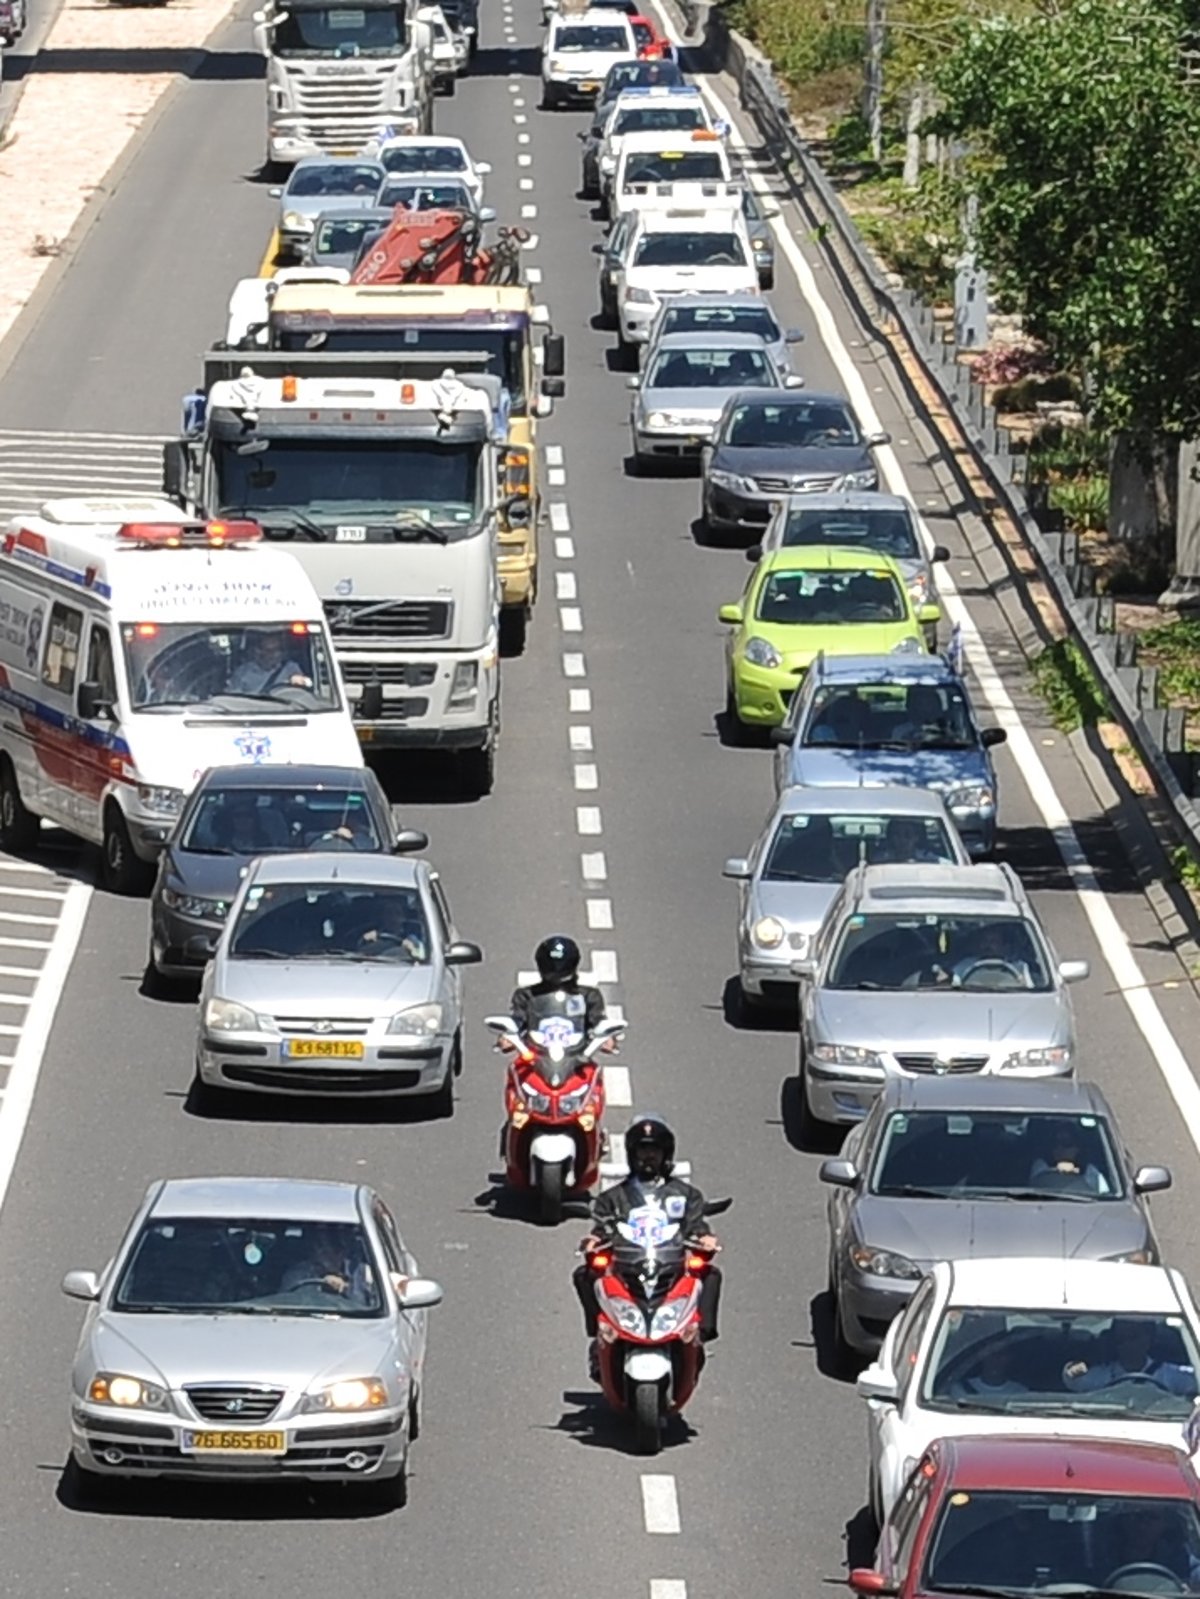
(618,1088)
(574,666)
(660,1503)
(566,586)
(580,738)
(588,822)
(593,866)
(564,548)
(560,516)
(56,894)
(600,915)
(570,618)
(604,966)
(531,243)
(586,776)
(15,999)
(667,1588)
(30,870)
(579,701)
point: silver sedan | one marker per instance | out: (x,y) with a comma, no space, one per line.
(323,183)
(265,1328)
(811,840)
(335,976)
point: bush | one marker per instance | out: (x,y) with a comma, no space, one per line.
(1026,392)
(916,233)
(1083,502)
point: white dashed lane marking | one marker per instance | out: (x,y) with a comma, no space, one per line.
(574,666)
(600,915)
(660,1503)
(580,739)
(560,517)
(564,585)
(593,866)
(570,618)
(529,211)
(588,822)
(586,777)
(667,1588)
(579,701)
(617,1085)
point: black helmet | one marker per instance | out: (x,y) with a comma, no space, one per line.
(557,959)
(650,1132)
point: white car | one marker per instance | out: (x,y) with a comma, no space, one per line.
(427,154)
(675,111)
(676,250)
(579,49)
(450,48)
(654,163)
(1081,1348)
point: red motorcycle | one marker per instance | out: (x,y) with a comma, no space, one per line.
(553,1138)
(648,1281)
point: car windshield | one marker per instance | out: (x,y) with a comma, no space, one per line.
(344,31)
(1062,1362)
(1012,1541)
(426,196)
(721,318)
(799,424)
(630,74)
(308,182)
(590,38)
(342,235)
(889,532)
(939,953)
(711,369)
(331,922)
(423,158)
(996,1154)
(921,716)
(217,1266)
(824,848)
(689,249)
(655,118)
(175,665)
(269,821)
(671,166)
(797,597)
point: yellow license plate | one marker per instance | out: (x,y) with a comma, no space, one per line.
(323,1049)
(235,1443)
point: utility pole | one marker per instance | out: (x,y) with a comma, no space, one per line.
(873,85)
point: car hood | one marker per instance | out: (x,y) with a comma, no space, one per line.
(689,279)
(927,1230)
(800,907)
(586,63)
(687,402)
(288,1351)
(793,461)
(799,642)
(947,1021)
(312,988)
(210,876)
(817,767)
(311,205)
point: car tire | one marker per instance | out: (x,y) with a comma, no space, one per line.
(89,1490)
(414,1415)
(387,1493)
(19,827)
(627,353)
(639,466)
(205,1101)
(608,310)
(549,101)
(846,1358)
(766,280)
(441,1102)
(809,1129)
(746,1008)
(477,770)
(514,630)
(736,731)
(456,1056)
(121,871)
(158,985)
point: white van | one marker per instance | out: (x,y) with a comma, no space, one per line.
(138,648)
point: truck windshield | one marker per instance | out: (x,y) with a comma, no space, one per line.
(173,665)
(341,31)
(355,490)
(505,347)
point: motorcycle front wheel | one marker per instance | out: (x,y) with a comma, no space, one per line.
(646,1417)
(550,1196)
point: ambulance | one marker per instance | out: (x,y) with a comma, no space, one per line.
(138,648)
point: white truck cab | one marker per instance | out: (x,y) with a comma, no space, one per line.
(677,248)
(674,110)
(654,168)
(138,648)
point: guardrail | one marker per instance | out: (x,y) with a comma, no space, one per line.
(1156,733)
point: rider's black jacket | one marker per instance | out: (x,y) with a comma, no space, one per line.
(580,1001)
(680,1200)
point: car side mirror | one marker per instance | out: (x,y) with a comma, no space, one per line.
(863,1580)
(793,381)
(483,166)
(1151,1180)
(782,735)
(410,838)
(991,736)
(460,953)
(81,1285)
(770,212)
(738,867)
(370,703)
(877,1382)
(599,248)
(1073,971)
(634,382)
(730,613)
(518,512)
(940,554)
(90,704)
(754,553)
(417,1293)
(554,356)
(487,214)
(875,440)
(928,614)
(794,336)
(841,1173)
(276,193)
(553,388)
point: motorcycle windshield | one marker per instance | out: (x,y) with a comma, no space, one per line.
(558,1033)
(649,1271)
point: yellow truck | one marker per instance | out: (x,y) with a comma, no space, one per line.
(494,319)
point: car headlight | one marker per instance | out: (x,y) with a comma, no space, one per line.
(883,1262)
(1047,1059)
(660,419)
(971,797)
(639,296)
(868,478)
(161,801)
(465,684)
(760,246)
(570,1104)
(111,1388)
(295,223)
(918,588)
(625,1313)
(908,646)
(668,1318)
(352,1393)
(730,480)
(419,1021)
(760,652)
(608,163)
(845,1055)
(227,1016)
(194,905)
(1134,1257)
(768,933)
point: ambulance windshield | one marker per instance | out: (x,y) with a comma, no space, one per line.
(176,665)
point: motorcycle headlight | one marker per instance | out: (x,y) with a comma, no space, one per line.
(112,1388)
(194,905)
(868,478)
(1046,1059)
(627,1316)
(883,1262)
(227,1016)
(845,1055)
(670,1317)
(760,652)
(768,932)
(971,797)
(419,1021)
(160,801)
(536,1101)
(294,222)
(730,480)
(352,1393)
(570,1104)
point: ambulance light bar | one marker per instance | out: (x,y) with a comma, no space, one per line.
(188,535)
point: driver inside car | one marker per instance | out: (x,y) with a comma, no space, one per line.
(1132,1357)
(331,1268)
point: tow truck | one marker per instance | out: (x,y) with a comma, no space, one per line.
(420,290)
(379,471)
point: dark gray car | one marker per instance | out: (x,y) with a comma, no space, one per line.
(946,1168)
(766,446)
(236,813)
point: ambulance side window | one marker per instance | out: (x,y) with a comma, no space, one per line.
(100,668)
(62,647)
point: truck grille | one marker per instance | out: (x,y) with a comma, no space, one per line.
(412,674)
(427,619)
(243,1402)
(930,1065)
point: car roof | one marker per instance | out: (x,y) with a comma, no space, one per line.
(885,668)
(595,16)
(334,161)
(1041,1282)
(691,219)
(985,888)
(1080,1465)
(809,396)
(289,777)
(709,298)
(820,557)
(797,800)
(1052,1096)
(364,213)
(859,500)
(282,1198)
(699,339)
(358,871)
(410,140)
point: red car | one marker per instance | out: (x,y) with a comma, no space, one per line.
(651,44)
(1041,1516)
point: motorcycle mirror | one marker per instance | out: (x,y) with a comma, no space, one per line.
(609,1028)
(717,1207)
(500,1024)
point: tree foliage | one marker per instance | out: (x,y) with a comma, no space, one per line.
(1085,141)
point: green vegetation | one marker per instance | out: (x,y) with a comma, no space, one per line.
(1186,868)
(1065,681)
(1174,647)
(915,232)
(1083,502)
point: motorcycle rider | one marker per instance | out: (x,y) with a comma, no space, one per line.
(650,1152)
(557,960)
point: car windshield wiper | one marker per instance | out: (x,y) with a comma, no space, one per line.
(915,1191)
(1052,1195)
(262,955)
(416,531)
(281,517)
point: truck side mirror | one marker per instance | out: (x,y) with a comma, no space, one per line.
(554,388)
(175,470)
(90,703)
(554,356)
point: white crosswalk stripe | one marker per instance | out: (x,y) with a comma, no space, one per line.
(36,466)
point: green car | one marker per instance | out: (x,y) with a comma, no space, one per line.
(804,599)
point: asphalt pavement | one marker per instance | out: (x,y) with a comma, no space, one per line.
(615,806)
